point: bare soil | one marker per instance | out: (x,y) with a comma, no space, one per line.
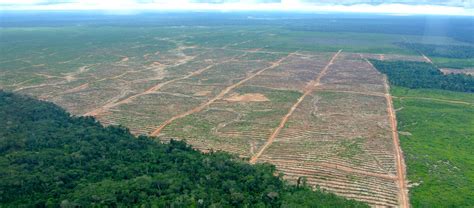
(218,97)
(310,87)
(401,171)
(249,97)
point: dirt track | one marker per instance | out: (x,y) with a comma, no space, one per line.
(404,201)
(435,99)
(426,58)
(309,88)
(218,97)
(401,172)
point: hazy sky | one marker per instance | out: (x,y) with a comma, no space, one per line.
(448,7)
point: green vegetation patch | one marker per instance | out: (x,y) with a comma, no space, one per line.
(446,56)
(453,63)
(438,149)
(351,148)
(423,75)
(447,51)
(50,159)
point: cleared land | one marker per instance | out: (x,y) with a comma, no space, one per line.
(321,114)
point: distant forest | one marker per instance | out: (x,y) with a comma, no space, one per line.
(423,75)
(51,159)
(447,51)
(458,28)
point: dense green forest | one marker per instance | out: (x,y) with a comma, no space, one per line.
(49,158)
(446,51)
(423,75)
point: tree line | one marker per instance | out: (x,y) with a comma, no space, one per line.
(423,75)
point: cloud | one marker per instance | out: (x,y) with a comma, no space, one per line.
(449,7)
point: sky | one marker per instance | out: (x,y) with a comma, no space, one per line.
(395,7)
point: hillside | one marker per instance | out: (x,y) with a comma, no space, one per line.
(49,158)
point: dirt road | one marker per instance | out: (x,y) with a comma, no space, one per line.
(400,162)
(308,89)
(402,184)
(218,97)
(435,99)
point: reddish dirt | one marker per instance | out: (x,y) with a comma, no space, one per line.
(249,97)
(76,89)
(404,201)
(401,172)
(218,97)
(308,89)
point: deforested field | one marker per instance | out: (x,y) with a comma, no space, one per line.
(310,103)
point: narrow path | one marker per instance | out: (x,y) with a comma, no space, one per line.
(402,184)
(426,58)
(308,89)
(435,99)
(400,162)
(219,96)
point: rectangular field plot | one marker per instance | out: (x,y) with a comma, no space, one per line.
(240,123)
(352,73)
(142,115)
(394,57)
(293,74)
(339,136)
(340,142)
(181,96)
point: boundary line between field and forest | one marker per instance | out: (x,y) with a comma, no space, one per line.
(400,162)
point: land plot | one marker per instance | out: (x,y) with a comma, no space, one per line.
(239,126)
(90,96)
(141,115)
(340,132)
(293,74)
(188,93)
(435,128)
(352,73)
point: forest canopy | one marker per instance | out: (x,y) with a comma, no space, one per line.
(423,75)
(446,51)
(49,159)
